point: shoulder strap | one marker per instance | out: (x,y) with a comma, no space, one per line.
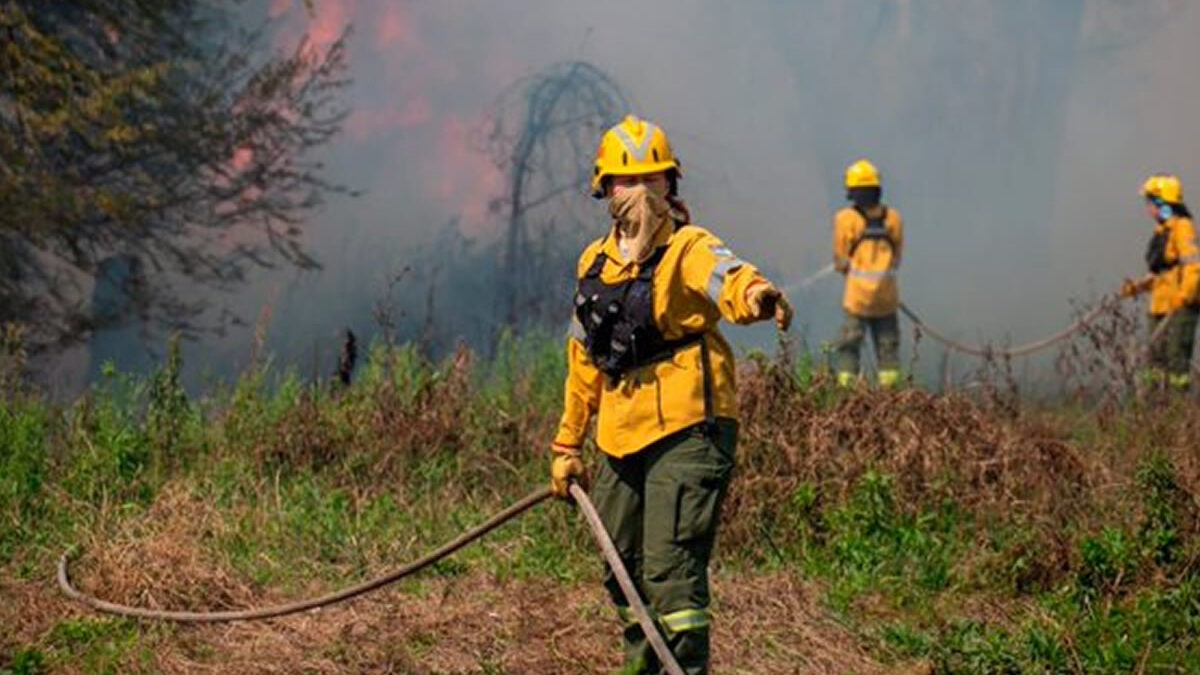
(597,266)
(873,225)
(646,271)
(882,219)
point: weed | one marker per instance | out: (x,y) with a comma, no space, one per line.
(23,459)
(1107,560)
(25,661)
(1162,499)
(98,645)
(167,412)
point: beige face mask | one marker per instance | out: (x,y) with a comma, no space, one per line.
(639,215)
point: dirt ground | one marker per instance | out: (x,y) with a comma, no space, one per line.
(473,624)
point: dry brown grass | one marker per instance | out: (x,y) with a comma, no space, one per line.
(765,626)
(1023,466)
(386,427)
(163,559)
(775,625)
(469,624)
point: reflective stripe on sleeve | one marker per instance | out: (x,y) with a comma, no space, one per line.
(716,281)
(872,275)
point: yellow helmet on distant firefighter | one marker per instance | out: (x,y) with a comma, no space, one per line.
(862,174)
(1163,187)
(632,148)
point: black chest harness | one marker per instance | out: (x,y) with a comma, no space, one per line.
(618,319)
(620,334)
(1156,252)
(876,230)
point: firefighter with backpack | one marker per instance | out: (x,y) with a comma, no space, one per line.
(645,358)
(1173,261)
(868,239)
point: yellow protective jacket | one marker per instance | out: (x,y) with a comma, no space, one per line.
(697,282)
(1178,286)
(871,288)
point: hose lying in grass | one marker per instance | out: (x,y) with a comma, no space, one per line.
(518,508)
(64,580)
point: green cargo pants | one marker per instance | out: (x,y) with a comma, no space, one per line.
(661,506)
(1171,354)
(885,332)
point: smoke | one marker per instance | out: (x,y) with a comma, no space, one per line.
(1012,135)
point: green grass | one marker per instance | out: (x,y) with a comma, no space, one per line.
(98,646)
(313,483)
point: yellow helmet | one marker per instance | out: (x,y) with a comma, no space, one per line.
(862,174)
(632,148)
(1164,187)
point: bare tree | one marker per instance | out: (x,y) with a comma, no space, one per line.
(542,134)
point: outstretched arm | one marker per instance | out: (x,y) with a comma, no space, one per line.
(739,292)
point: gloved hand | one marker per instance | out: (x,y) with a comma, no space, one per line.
(1131,287)
(766,301)
(565,464)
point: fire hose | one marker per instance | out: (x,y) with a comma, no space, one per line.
(1011,352)
(1028,348)
(988,351)
(581,499)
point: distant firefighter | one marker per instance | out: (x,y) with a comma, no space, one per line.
(646,358)
(1173,259)
(867,241)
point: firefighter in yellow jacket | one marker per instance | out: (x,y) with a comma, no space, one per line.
(868,238)
(1173,259)
(645,357)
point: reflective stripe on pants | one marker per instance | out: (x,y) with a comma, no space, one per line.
(885,333)
(684,620)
